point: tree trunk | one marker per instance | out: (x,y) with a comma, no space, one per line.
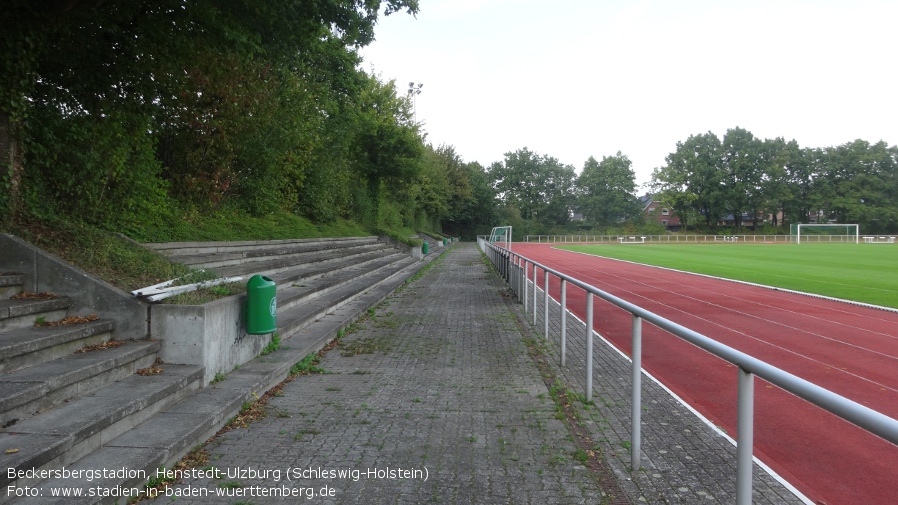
(11,156)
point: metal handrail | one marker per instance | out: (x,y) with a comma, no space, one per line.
(515,269)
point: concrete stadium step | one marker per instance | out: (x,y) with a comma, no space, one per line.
(30,391)
(11,284)
(170,434)
(295,256)
(24,347)
(23,313)
(197,254)
(303,274)
(177,248)
(64,435)
(300,306)
(322,260)
(163,438)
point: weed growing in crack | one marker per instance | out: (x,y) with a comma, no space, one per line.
(272,346)
(307,365)
(218,378)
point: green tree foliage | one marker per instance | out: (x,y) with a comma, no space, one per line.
(607,190)
(476,209)
(129,112)
(386,146)
(692,182)
(741,166)
(708,178)
(856,183)
(780,160)
(539,186)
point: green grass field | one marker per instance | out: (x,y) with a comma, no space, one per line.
(861,272)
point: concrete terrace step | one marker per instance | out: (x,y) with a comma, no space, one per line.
(305,305)
(229,256)
(65,434)
(266,247)
(304,274)
(25,312)
(171,433)
(294,289)
(32,390)
(163,438)
(320,260)
(23,347)
(11,284)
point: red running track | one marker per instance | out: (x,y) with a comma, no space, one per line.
(848,349)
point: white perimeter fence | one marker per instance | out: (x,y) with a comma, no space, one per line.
(522,276)
(676,238)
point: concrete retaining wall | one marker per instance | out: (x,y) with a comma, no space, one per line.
(45,272)
(414,252)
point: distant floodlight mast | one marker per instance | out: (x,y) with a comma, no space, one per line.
(814,232)
(414,90)
(501,236)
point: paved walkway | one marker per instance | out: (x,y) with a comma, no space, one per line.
(436,399)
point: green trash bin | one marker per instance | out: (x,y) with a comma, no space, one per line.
(261,305)
(425,248)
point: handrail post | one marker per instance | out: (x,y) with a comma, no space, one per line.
(512,273)
(524,282)
(506,262)
(546,303)
(535,284)
(499,264)
(563,321)
(636,395)
(745,437)
(589,346)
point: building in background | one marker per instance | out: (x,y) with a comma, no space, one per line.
(657,212)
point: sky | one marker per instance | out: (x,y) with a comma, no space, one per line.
(572,79)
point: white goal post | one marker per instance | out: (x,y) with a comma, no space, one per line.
(501,235)
(849,232)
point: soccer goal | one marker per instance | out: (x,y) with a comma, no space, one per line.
(501,236)
(829,232)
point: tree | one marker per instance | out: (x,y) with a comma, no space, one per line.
(607,190)
(857,184)
(539,186)
(386,144)
(741,174)
(558,193)
(781,161)
(517,181)
(190,72)
(480,212)
(22,42)
(692,182)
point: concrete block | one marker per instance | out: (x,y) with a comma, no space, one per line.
(212,335)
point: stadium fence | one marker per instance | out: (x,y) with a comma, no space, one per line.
(677,238)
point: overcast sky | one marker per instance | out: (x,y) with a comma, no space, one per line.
(579,78)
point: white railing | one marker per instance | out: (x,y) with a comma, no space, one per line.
(520,273)
(678,238)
